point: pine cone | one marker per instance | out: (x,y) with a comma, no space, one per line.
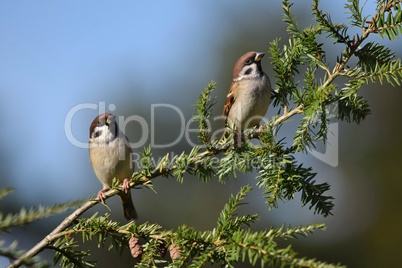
(135,247)
(174,251)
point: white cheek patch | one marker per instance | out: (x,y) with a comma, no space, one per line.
(249,71)
(102,135)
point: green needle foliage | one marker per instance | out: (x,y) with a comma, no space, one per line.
(306,85)
(22,218)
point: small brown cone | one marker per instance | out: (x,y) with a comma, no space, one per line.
(174,251)
(135,247)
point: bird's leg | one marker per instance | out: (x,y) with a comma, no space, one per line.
(261,128)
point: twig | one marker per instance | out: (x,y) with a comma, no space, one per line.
(286,115)
(61,227)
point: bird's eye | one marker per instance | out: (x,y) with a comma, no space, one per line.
(248,61)
(99,122)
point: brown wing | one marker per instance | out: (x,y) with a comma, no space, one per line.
(230,99)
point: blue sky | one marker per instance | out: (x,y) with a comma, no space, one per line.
(57,54)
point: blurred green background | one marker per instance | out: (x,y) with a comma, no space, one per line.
(55,55)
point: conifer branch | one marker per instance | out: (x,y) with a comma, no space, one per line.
(61,227)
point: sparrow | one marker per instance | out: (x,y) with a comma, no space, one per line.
(249,95)
(110,156)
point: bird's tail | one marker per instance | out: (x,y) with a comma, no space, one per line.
(128,206)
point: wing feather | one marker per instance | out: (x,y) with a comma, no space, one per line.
(230,99)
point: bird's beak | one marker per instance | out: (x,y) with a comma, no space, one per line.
(110,119)
(259,56)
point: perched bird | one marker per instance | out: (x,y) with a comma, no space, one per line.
(249,95)
(110,155)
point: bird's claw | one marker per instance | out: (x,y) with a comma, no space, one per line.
(126,185)
(101,196)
